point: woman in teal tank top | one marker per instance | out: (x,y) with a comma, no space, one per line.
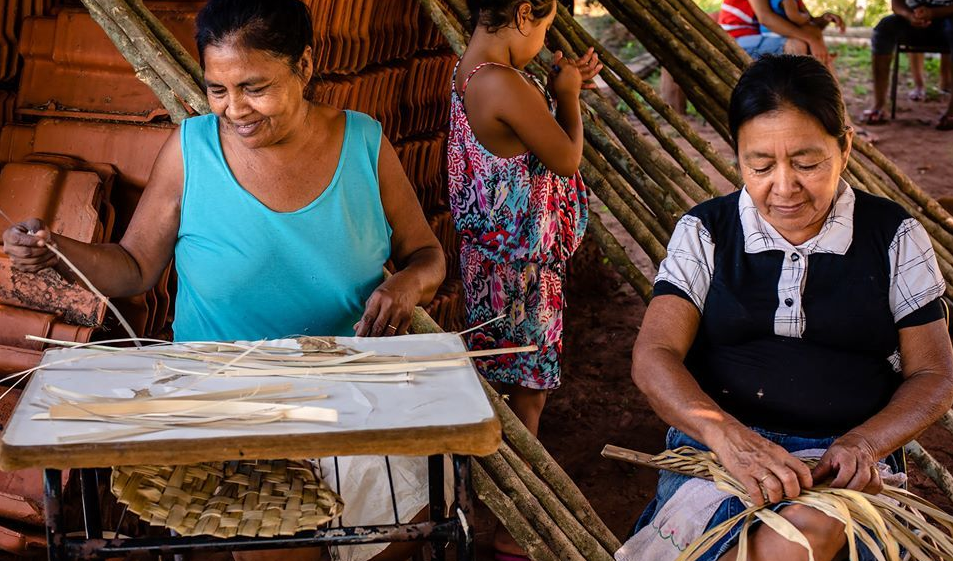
(281,214)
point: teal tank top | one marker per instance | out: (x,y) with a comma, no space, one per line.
(246,272)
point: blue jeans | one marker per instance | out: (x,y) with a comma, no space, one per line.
(759,45)
(670,482)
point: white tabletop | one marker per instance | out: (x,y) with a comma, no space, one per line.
(436,401)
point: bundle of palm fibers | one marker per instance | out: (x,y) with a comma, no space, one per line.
(894,518)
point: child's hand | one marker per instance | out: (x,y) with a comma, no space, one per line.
(568,79)
(838,21)
(589,67)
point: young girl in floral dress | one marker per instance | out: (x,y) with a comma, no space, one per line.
(515,193)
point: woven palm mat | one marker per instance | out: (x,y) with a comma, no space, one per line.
(226,499)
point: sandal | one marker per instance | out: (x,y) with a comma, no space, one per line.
(873,117)
(917,94)
(945,123)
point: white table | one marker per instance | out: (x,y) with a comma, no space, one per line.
(441,411)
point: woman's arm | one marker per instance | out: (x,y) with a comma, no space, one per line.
(420,261)
(134,264)
(924,396)
(658,369)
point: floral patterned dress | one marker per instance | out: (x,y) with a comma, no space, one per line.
(520,223)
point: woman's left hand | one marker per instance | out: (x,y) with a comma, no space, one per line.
(390,308)
(851,460)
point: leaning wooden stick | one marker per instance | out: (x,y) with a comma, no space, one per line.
(631,457)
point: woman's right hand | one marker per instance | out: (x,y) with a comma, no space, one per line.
(767,471)
(25,244)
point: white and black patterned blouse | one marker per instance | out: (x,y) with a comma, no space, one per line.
(802,339)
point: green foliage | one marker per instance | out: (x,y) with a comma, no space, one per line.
(709,6)
(612,35)
(855,12)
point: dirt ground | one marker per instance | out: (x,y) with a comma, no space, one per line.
(598,404)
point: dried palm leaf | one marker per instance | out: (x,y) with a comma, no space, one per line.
(245,498)
(185,408)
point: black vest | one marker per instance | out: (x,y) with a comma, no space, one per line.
(837,374)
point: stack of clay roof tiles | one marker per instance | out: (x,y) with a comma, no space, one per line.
(389,60)
(79,134)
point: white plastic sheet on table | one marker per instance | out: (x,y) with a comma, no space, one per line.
(439,397)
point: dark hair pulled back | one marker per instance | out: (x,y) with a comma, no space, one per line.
(281,28)
(776,81)
(497,14)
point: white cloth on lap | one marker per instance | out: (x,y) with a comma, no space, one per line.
(365,488)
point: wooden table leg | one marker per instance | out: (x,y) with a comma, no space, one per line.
(53,505)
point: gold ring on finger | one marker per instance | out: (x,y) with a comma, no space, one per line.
(763,477)
(389,326)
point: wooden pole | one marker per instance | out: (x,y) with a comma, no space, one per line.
(616,254)
(143,71)
(701,84)
(679,28)
(664,203)
(689,167)
(906,185)
(934,469)
(169,41)
(652,161)
(595,163)
(511,517)
(588,546)
(448,27)
(712,31)
(530,507)
(154,54)
(636,228)
(539,459)
(581,40)
(530,449)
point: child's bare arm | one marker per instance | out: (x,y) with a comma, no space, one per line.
(794,14)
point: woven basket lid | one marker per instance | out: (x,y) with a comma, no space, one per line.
(247,498)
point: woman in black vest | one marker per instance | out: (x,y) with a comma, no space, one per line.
(798,313)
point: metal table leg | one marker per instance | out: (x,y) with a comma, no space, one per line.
(438,502)
(462,507)
(92,518)
(53,504)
